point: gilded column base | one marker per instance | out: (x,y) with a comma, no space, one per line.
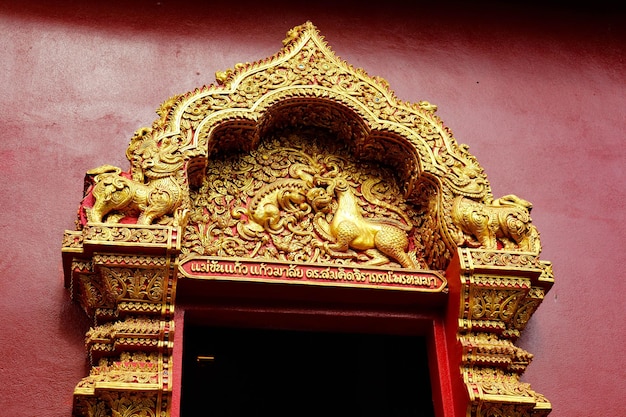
(123,276)
(499,292)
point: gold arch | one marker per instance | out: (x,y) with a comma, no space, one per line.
(306,75)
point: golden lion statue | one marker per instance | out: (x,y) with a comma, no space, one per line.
(506,220)
(152,192)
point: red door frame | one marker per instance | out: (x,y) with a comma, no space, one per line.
(228,310)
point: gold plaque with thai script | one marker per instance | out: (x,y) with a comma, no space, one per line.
(256,270)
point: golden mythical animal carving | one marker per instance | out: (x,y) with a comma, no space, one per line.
(506,219)
(266,210)
(349,229)
(152,192)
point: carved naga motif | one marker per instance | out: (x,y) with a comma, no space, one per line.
(151,193)
(505,220)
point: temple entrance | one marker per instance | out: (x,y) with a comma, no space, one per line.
(298,192)
(233,372)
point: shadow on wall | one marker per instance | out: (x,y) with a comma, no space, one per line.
(169,17)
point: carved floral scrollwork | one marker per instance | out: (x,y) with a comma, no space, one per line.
(307,70)
(72,240)
(291,199)
(135,285)
(135,367)
(497,382)
(130,325)
(126,234)
(130,260)
(527,307)
(128,295)
(494,304)
(501,291)
(116,404)
(505,259)
(94,293)
(487,349)
(503,410)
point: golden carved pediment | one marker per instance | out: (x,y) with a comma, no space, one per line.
(299,168)
(305,86)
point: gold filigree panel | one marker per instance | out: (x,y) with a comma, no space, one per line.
(281,202)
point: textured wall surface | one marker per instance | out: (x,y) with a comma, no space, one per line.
(537,92)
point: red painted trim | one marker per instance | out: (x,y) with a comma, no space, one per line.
(444,394)
(453,352)
(177,358)
(448,393)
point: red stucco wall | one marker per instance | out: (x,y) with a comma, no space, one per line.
(538,94)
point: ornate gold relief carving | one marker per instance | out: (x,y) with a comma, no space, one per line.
(288,200)
(500,291)
(115,337)
(128,234)
(123,276)
(124,387)
(506,220)
(306,162)
(350,230)
(153,190)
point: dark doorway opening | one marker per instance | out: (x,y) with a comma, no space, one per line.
(235,372)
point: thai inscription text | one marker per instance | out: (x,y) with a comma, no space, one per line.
(253,270)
